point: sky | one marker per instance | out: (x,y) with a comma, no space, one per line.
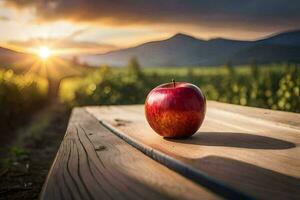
(97,26)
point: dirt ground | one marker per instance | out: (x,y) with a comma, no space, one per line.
(26,161)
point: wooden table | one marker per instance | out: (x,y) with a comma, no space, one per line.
(110,152)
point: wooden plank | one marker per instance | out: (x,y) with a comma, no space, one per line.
(280,118)
(253,154)
(93,163)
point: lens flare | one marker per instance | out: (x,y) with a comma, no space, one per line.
(44,52)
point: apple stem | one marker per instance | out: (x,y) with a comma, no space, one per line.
(173,80)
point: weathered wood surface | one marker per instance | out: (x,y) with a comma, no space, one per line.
(252,150)
(93,163)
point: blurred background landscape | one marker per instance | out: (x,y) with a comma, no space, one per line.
(55,55)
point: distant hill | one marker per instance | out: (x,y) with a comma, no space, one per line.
(19,62)
(8,56)
(185,50)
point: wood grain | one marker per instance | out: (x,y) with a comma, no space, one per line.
(243,148)
(93,163)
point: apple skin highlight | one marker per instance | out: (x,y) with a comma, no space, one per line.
(175,110)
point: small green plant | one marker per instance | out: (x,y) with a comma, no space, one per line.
(15,154)
(17,151)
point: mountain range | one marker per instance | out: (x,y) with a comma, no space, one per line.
(186,50)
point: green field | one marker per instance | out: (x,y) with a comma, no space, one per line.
(211,70)
(267,86)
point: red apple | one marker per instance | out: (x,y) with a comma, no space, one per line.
(176,109)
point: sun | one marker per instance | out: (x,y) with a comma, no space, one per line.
(44,52)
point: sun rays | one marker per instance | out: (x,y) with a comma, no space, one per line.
(52,67)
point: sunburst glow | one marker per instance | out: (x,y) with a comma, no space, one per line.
(44,52)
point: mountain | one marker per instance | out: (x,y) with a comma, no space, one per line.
(291,38)
(185,50)
(9,57)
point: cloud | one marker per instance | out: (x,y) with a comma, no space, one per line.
(65,45)
(62,46)
(238,14)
